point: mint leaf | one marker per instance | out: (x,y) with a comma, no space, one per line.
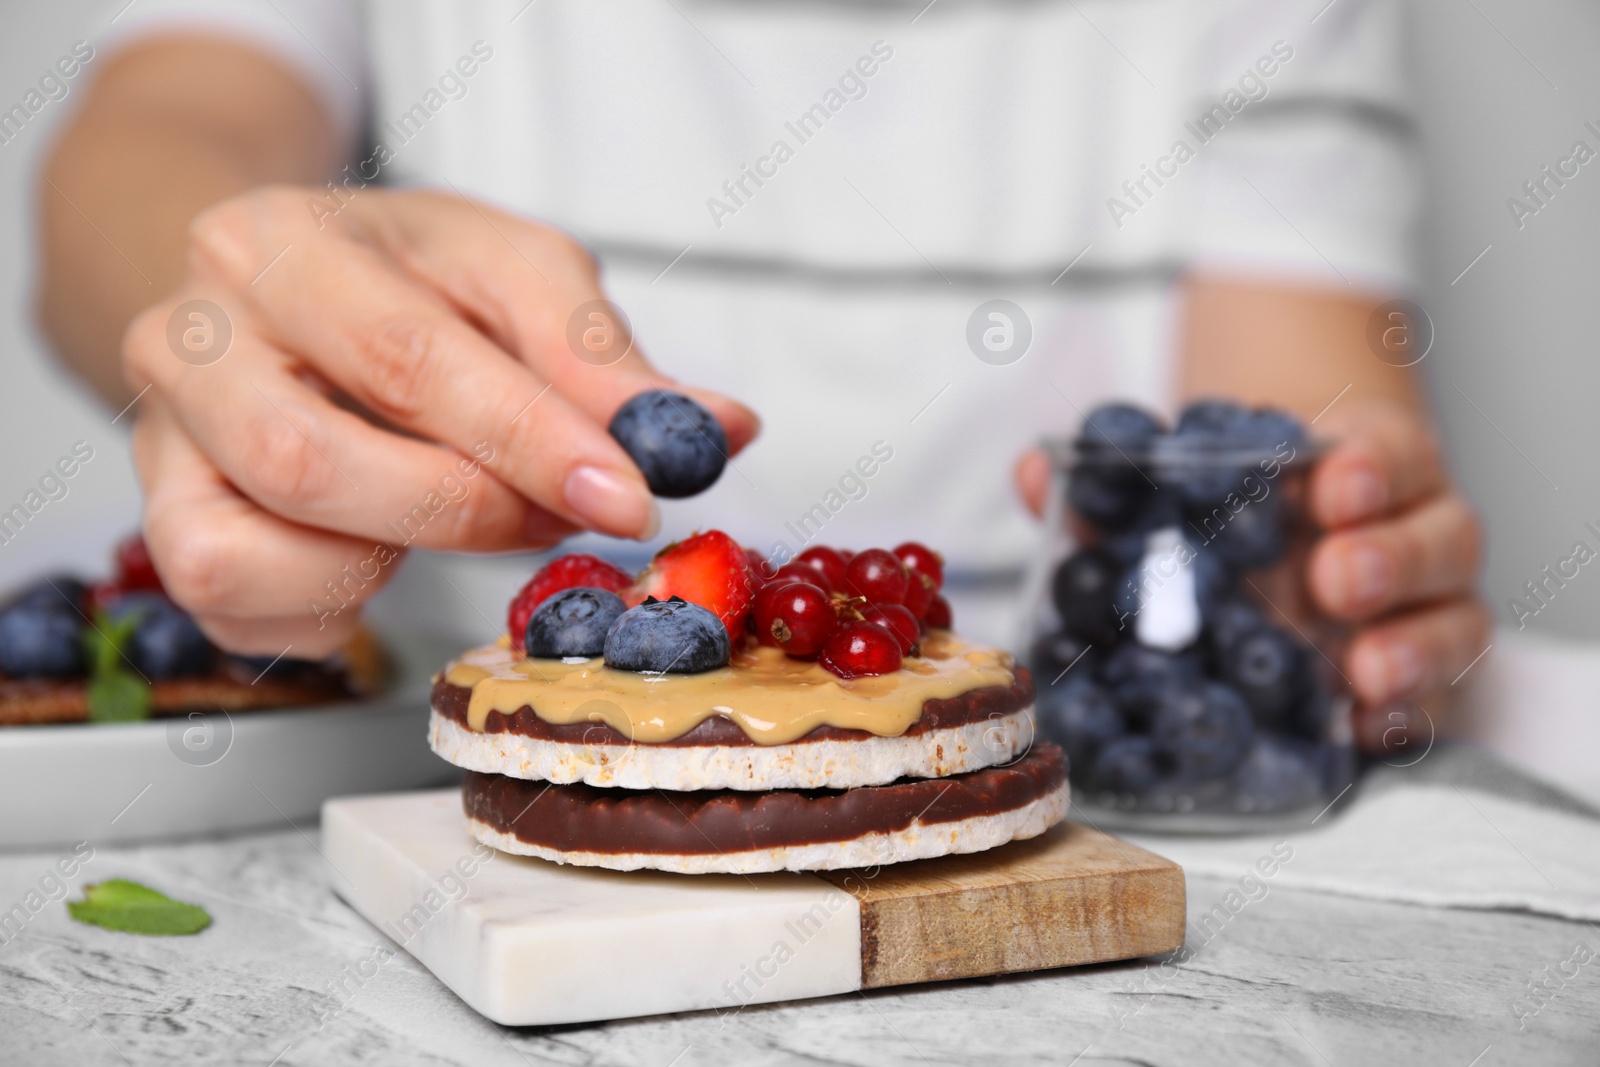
(118,697)
(118,904)
(115,693)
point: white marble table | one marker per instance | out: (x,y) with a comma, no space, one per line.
(289,975)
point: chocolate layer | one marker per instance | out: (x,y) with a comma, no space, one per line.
(582,818)
(974,705)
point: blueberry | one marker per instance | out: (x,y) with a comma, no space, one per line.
(1119,426)
(677,444)
(281,668)
(40,642)
(1255,536)
(1215,421)
(1055,655)
(1271,669)
(1204,730)
(1228,623)
(1203,459)
(1271,429)
(667,635)
(573,622)
(1128,764)
(1139,678)
(1082,590)
(1079,716)
(60,591)
(1279,775)
(166,642)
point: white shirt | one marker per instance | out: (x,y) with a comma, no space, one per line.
(954,154)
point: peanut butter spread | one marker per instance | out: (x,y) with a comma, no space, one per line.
(773,697)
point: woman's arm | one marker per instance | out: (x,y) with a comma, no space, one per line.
(169,128)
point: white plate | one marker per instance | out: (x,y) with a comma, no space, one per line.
(182,777)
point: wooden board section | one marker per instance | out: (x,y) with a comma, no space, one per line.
(1072,896)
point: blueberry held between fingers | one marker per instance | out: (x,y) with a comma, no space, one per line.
(166,642)
(40,642)
(677,444)
(1204,730)
(667,635)
(573,622)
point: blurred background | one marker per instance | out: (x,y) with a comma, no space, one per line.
(1502,90)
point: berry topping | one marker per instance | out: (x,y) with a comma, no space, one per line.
(676,444)
(573,623)
(861,648)
(760,569)
(897,620)
(922,560)
(663,636)
(799,572)
(829,561)
(794,616)
(40,642)
(564,572)
(166,642)
(708,569)
(134,567)
(878,575)
(937,617)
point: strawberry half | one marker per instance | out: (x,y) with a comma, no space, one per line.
(709,569)
(564,572)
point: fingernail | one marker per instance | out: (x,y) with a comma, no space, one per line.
(612,503)
(1362,493)
(1368,575)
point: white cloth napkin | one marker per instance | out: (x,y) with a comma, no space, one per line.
(1469,833)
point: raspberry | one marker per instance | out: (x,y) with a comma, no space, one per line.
(795,616)
(878,575)
(565,572)
(860,648)
(897,620)
(829,561)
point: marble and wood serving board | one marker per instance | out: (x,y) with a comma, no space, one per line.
(527,942)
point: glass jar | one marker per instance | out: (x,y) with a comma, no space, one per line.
(1179,658)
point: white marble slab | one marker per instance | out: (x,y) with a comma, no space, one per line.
(528,942)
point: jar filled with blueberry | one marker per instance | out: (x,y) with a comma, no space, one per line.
(1178,656)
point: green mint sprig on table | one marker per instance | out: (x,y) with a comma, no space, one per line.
(116,694)
(118,904)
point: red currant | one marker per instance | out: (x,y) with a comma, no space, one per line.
(795,616)
(860,648)
(919,594)
(877,575)
(828,561)
(938,614)
(799,572)
(920,559)
(897,620)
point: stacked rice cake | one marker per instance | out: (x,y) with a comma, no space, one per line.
(770,763)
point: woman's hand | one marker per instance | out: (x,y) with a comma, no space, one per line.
(1398,558)
(399,374)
